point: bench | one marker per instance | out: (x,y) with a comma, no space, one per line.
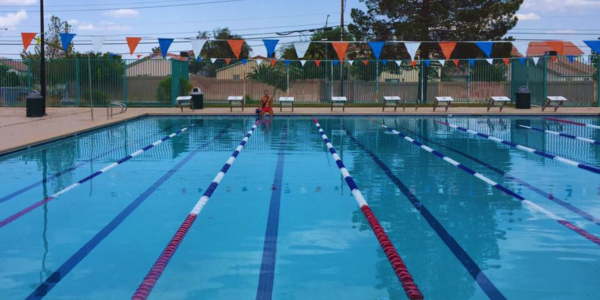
(184,101)
(338,101)
(554,101)
(289,101)
(391,101)
(235,101)
(438,100)
(498,99)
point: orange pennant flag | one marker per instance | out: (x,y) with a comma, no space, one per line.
(273,62)
(413,63)
(340,49)
(557,46)
(447,48)
(506,61)
(365,62)
(236,47)
(553,58)
(139,55)
(27,38)
(133,42)
(456,61)
(317,62)
(227,61)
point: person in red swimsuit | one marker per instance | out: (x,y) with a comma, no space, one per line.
(266,105)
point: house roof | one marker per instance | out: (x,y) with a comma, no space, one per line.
(540,48)
(563,66)
(14,64)
(239,62)
(170,56)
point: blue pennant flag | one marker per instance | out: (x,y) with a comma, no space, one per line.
(66,39)
(244,61)
(376,47)
(486,47)
(594,45)
(471,62)
(164,46)
(571,58)
(384,61)
(336,62)
(111,55)
(427,62)
(287,62)
(270,45)
(522,60)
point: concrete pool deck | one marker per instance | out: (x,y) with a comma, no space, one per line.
(18,132)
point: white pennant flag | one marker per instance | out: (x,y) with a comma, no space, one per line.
(521,47)
(442,62)
(212,60)
(490,61)
(351,62)
(412,48)
(399,62)
(97,42)
(303,62)
(301,48)
(197,46)
(535,60)
(258,62)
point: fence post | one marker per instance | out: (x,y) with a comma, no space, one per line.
(597,58)
(469,83)
(376,81)
(29,74)
(77,92)
(545,79)
(124,89)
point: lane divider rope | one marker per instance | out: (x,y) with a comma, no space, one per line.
(526,149)
(145,288)
(84,180)
(573,137)
(531,206)
(573,123)
(408,284)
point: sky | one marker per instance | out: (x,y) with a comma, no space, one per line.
(571,20)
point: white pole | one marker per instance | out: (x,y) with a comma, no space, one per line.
(91,94)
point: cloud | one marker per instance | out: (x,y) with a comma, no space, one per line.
(577,6)
(11,20)
(103,25)
(73,22)
(528,17)
(122,13)
(18,2)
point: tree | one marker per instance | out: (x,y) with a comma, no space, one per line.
(275,76)
(54,47)
(317,51)
(218,49)
(436,20)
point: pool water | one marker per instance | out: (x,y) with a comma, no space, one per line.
(283,224)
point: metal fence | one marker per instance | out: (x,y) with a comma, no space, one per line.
(157,82)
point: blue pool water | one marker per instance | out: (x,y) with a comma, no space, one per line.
(307,238)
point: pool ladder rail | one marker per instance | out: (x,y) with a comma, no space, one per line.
(111,105)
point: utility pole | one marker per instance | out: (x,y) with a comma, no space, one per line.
(42,57)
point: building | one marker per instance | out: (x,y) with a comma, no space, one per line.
(153,66)
(237,71)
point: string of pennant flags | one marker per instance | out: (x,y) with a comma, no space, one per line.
(340,47)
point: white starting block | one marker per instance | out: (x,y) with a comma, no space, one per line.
(438,100)
(554,101)
(391,101)
(288,101)
(236,101)
(338,101)
(498,99)
(183,101)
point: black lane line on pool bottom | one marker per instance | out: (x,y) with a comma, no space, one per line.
(482,280)
(267,267)
(65,171)
(550,197)
(72,262)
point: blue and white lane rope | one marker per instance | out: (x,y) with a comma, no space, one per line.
(84,180)
(145,288)
(532,206)
(408,284)
(526,149)
(573,137)
(573,122)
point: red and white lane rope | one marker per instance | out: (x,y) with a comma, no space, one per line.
(573,123)
(410,288)
(570,136)
(144,289)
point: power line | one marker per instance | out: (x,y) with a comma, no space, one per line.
(136,7)
(105,4)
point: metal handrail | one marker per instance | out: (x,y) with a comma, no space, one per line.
(112,104)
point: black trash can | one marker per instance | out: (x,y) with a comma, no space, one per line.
(34,104)
(197,98)
(523,98)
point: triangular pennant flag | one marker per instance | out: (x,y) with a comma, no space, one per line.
(164,46)
(557,46)
(111,55)
(340,49)
(571,58)
(244,61)
(301,48)
(447,48)
(273,62)
(553,58)
(138,56)
(365,62)
(522,60)
(413,63)
(350,62)
(66,39)
(427,62)
(336,62)
(317,62)
(442,61)
(506,61)
(535,60)
(384,62)
(27,37)
(270,45)
(471,62)
(258,62)
(486,47)
(287,62)
(236,47)
(212,60)
(594,45)
(376,47)
(399,62)
(133,42)
(97,42)
(197,46)
(302,62)
(227,61)
(456,61)
(412,48)
(521,47)
(490,61)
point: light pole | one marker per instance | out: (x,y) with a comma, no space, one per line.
(42,58)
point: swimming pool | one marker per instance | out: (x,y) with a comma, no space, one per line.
(472,215)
